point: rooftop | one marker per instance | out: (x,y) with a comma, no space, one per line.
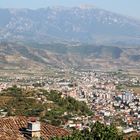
(13,128)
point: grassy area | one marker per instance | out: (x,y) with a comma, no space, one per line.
(136,90)
(4,100)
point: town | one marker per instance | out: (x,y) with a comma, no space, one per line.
(113,97)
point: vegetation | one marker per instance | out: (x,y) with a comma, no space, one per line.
(69,104)
(52,107)
(98,132)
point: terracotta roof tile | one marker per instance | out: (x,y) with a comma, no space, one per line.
(10,129)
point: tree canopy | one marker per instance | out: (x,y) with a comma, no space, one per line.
(97,131)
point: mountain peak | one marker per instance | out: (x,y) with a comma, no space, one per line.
(87,6)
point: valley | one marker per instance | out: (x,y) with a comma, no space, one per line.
(69,72)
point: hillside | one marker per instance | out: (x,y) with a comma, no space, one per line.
(48,106)
(82,24)
(37,56)
(42,38)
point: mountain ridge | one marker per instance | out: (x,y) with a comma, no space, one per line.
(75,24)
(68,37)
(41,56)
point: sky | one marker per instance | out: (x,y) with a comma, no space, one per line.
(125,7)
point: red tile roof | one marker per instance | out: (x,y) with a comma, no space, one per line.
(10,129)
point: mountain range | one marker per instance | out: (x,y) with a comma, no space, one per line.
(79,37)
(77,24)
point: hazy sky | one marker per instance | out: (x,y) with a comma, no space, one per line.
(125,7)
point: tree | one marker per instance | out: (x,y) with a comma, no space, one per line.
(98,132)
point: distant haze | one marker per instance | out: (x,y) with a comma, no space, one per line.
(86,24)
(125,7)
